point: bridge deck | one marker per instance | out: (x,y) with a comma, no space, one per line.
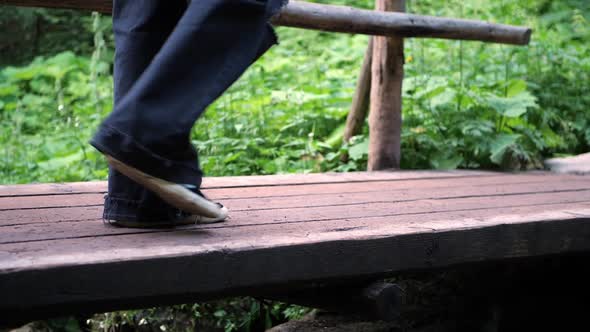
(56,255)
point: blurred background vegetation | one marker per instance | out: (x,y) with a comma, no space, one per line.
(466,105)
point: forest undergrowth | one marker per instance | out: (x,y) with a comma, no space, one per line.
(465,105)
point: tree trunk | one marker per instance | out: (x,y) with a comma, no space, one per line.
(385,117)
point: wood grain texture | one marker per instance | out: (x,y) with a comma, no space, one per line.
(252,181)
(350,20)
(205,264)
(411,212)
(385,115)
(360,101)
(55,260)
(102,6)
(396,188)
(23,210)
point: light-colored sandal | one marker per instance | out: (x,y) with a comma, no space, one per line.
(184,221)
(174,194)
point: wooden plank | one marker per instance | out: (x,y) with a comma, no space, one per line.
(11,218)
(102,6)
(146,269)
(389,186)
(34,202)
(305,214)
(385,115)
(337,229)
(73,200)
(35,209)
(16,190)
(254,181)
(513,192)
(350,20)
(140,244)
(579,164)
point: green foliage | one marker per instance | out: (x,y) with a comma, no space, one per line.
(26,33)
(238,314)
(466,104)
(495,106)
(47,111)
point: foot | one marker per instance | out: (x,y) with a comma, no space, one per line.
(183,197)
(182,220)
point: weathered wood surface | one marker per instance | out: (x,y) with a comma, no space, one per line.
(350,20)
(579,164)
(57,257)
(385,115)
(249,182)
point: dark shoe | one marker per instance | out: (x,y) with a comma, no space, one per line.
(182,220)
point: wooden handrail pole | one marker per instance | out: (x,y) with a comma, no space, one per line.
(385,114)
(335,18)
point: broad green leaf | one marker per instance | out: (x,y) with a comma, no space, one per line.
(466,101)
(232,157)
(25,73)
(335,138)
(443,98)
(61,162)
(516,87)
(359,150)
(499,146)
(514,106)
(442,161)
(551,139)
(8,89)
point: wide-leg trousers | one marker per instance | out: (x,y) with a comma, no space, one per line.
(172,60)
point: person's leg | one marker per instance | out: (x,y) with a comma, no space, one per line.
(212,45)
(141,28)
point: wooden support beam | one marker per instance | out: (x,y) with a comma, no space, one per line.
(385,115)
(377,300)
(101,6)
(360,101)
(55,253)
(350,20)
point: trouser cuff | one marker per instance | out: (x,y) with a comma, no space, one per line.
(121,209)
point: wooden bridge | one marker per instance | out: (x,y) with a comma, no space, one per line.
(57,256)
(291,231)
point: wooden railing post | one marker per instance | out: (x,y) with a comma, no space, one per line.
(360,101)
(385,117)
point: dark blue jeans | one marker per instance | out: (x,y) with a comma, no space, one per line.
(172,60)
